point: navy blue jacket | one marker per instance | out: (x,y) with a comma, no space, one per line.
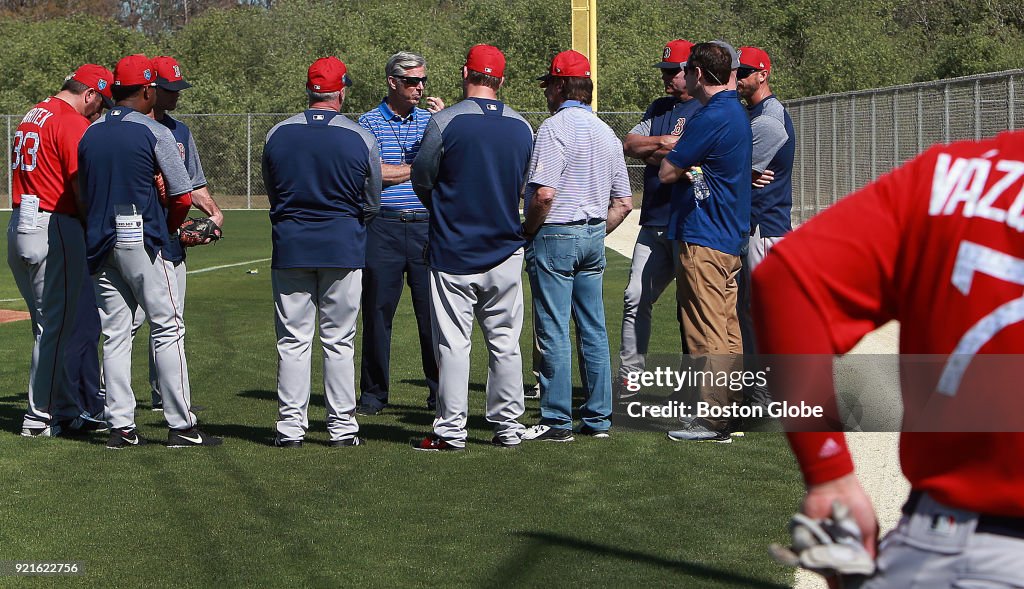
(323,178)
(470,173)
(117,158)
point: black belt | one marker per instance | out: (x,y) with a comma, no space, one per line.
(594,221)
(405,216)
(1002,525)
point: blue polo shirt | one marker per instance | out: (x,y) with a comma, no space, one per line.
(322,174)
(718,139)
(398,140)
(665,116)
(117,158)
(470,172)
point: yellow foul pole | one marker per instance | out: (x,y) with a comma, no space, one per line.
(584,35)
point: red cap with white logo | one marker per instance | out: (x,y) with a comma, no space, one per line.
(568,64)
(98,78)
(755,59)
(168,74)
(486,59)
(675,54)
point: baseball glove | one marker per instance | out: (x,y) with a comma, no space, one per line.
(829,547)
(199,232)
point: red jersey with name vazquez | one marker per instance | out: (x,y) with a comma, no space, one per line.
(44,156)
(937,244)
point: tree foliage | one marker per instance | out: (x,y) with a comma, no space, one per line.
(251,55)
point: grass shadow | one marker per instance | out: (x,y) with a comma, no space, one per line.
(513,572)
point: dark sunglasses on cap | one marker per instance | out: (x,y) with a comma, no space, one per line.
(745,72)
(411,80)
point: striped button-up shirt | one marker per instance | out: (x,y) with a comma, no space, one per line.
(399,141)
(579,156)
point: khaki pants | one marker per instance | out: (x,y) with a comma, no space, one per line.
(706,292)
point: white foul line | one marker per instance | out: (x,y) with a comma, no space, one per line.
(212,268)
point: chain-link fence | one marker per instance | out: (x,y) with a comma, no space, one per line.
(231,145)
(846,140)
(843,140)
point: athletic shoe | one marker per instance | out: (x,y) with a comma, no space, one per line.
(546,433)
(497,441)
(368,410)
(695,432)
(620,390)
(124,438)
(43,431)
(531,391)
(191,437)
(82,425)
(158,401)
(432,443)
(586,430)
(279,443)
(347,442)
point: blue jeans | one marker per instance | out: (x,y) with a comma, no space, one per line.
(566,267)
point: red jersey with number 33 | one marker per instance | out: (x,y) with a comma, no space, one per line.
(44,156)
(937,244)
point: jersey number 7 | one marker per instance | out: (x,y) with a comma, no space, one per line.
(970,258)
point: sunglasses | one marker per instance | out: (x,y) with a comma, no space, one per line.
(744,73)
(411,80)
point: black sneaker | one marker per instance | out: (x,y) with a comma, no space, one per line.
(191,437)
(531,391)
(586,430)
(497,441)
(124,438)
(347,442)
(432,443)
(279,443)
(368,410)
(546,433)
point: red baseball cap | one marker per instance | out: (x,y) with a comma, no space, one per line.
(754,58)
(134,70)
(568,64)
(98,78)
(168,74)
(486,59)
(327,74)
(675,54)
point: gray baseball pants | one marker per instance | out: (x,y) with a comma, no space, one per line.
(304,298)
(653,268)
(495,299)
(48,261)
(938,546)
(140,318)
(129,278)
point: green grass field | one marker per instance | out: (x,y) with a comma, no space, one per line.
(635,510)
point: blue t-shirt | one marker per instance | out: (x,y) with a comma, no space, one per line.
(470,173)
(665,116)
(323,178)
(118,157)
(718,139)
(774,149)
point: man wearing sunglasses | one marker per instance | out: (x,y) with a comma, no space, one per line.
(710,232)
(773,154)
(398,237)
(653,265)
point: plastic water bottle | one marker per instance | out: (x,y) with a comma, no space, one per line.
(700,185)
